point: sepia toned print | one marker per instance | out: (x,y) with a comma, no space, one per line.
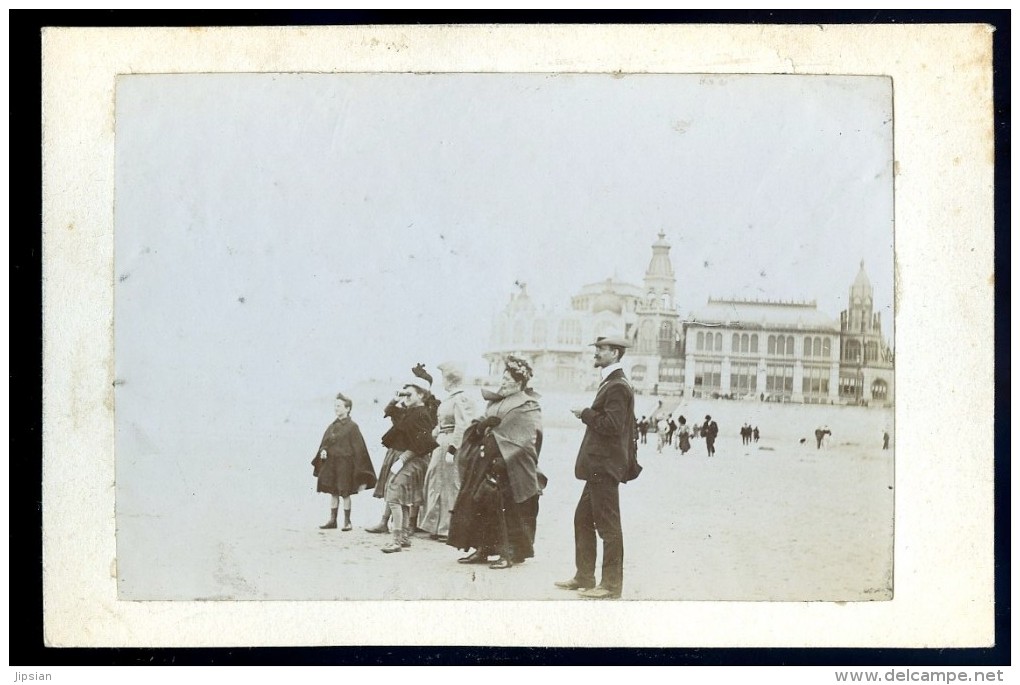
(282,238)
(944,505)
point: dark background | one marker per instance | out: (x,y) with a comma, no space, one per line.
(25,387)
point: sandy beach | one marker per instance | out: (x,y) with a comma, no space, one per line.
(207,516)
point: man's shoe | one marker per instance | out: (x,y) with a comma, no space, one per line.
(573,584)
(599,593)
(391,548)
(379,528)
(501,563)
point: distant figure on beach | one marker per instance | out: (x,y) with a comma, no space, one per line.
(745,434)
(661,429)
(442,480)
(401,477)
(820,434)
(885,440)
(342,464)
(670,430)
(710,429)
(497,508)
(755,434)
(643,430)
(684,441)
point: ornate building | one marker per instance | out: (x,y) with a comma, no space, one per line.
(779,351)
(556,341)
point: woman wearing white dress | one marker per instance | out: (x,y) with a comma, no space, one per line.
(442,481)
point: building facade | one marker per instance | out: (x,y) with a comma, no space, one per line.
(766,350)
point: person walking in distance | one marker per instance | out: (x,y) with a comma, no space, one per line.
(606,458)
(710,430)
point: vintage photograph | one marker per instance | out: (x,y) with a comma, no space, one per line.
(465,336)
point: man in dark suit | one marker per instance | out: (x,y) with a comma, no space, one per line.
(606,458)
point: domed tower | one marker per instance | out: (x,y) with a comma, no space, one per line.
(660,281)
(658,343)
(860,304)
(866,363)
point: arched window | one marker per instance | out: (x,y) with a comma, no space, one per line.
(789,345)
(701,340)
(807,347)
(735,344)
(826,347)
(871,351)
(879,389)
(744,347)
(772,344)
(666,337)
(718,342)
(852,351)
(780,345)
(754,343)
(646,337)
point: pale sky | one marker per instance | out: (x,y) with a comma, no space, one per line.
(288,234)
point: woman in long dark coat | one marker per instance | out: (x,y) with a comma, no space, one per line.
(496,511)
(342,464)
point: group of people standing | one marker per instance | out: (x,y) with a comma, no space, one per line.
(463,476)
(676,432)
(468,476)
(747,434)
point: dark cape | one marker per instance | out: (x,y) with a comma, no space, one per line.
(497,506)
(347,468)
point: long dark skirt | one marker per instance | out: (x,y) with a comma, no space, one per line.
(485,516)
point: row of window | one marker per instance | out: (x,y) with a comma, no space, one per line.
(744,378)
(852,351)
(778,345)
(666,341)
(850,386)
